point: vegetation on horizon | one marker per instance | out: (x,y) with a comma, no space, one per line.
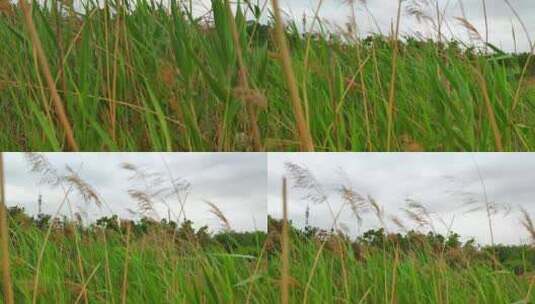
(144,76)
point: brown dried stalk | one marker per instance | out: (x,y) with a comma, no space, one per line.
(244,83)
(4,234)
(56,99)
(303,130)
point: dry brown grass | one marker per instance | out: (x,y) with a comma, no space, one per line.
(392,89)
(43,63)
(243,83)
(305,138)
(528,224)
(215,210)
(6,8)
(490,111)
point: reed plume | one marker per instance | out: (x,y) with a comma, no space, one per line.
(528,224)
(215,210)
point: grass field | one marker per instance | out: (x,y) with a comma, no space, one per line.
(399,269)
(136,77)
(129,265)
(56,259)
(151,262)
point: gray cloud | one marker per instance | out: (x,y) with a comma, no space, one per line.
(380,15)
(235,182)
(441,181)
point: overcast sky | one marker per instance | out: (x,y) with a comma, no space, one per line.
(440,181)
(380,14)
(235,182)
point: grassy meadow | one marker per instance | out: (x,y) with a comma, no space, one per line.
(141,76)
(69,257)
(55,260)
(66,259)
(401,268)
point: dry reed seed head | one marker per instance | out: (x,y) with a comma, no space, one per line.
(250,96)
(39,164)
(377,209)
(417,213)
(144,202)
(472,30)
(356,202)
(303,179)
(85,190)
(6,8)
(528,224)
(418,9)
(241,139)
(167,74)
(410,145)
(220,215)
(398,222)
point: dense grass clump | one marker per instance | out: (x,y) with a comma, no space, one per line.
(143,76)
(112,261)
(379,267)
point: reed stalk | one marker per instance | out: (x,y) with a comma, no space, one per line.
(45,68)
(4,235)
(305,138)
(285,263)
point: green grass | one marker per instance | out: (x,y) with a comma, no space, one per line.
(172,81)
(333,269)
(162,267)
(188,266)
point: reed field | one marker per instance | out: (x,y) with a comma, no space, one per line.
(66,257)
(402,268)
(63,259)
(133,263)
(109,265)
(144,76)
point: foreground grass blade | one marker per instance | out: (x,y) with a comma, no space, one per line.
(43,63)
(305,137)
(4,239)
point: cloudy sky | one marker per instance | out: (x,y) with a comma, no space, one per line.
(235,182)
(375,16)
(378,15)
(443,182)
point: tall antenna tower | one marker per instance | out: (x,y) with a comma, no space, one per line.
(307,215)
(39,204)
